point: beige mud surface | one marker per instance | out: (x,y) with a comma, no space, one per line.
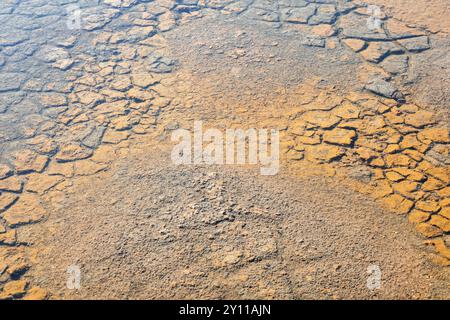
(86,116)
(150,229)
(431,14)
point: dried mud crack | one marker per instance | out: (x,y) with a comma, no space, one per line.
(155,230)
(87,108)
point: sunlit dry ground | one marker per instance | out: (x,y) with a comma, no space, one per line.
(90,95)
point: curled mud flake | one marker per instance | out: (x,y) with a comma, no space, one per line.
(314,41)
(324,153)
(29,161)
(63,169)
(321,118)
(325,14)
(428,230)
(398,204)
(297,127)
(347,111)
(5,171)
(416,44)
(41,183)
(88,167)
(410,141)
(96,18)
(121,123)
(366,153)
(392,148)
(121,83)
(308,139)
(36,293)
(298,15)
(439,154)
(88,80)
(121,3)
(73,152)
(440,222)
(377,163)
(363,174)
(445,212)
(7,200)
(104,154)
(324,30)
(394,176)
(8,238)
(406,188)
(160,102)
(90,98)
(439,135)
(94,138)
(140,95)
(398,30)
(417,216)
(446,197)
(112,94)
(398,160)
(432,184)
(408,108)
(139,129)
(167,21)
(339,136)
(428,206)
(295,155)
(414,155)
(116,107)
(66,42)
(114,137)
(144,80)
(52,54)
(18,265)
(440,247)
(395,64)
(227,259)
(384,88)
(420,119)
(378,51)
(10,81)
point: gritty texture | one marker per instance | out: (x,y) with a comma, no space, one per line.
(359,94)
(162,231)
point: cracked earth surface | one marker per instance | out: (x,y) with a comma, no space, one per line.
(85,122)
